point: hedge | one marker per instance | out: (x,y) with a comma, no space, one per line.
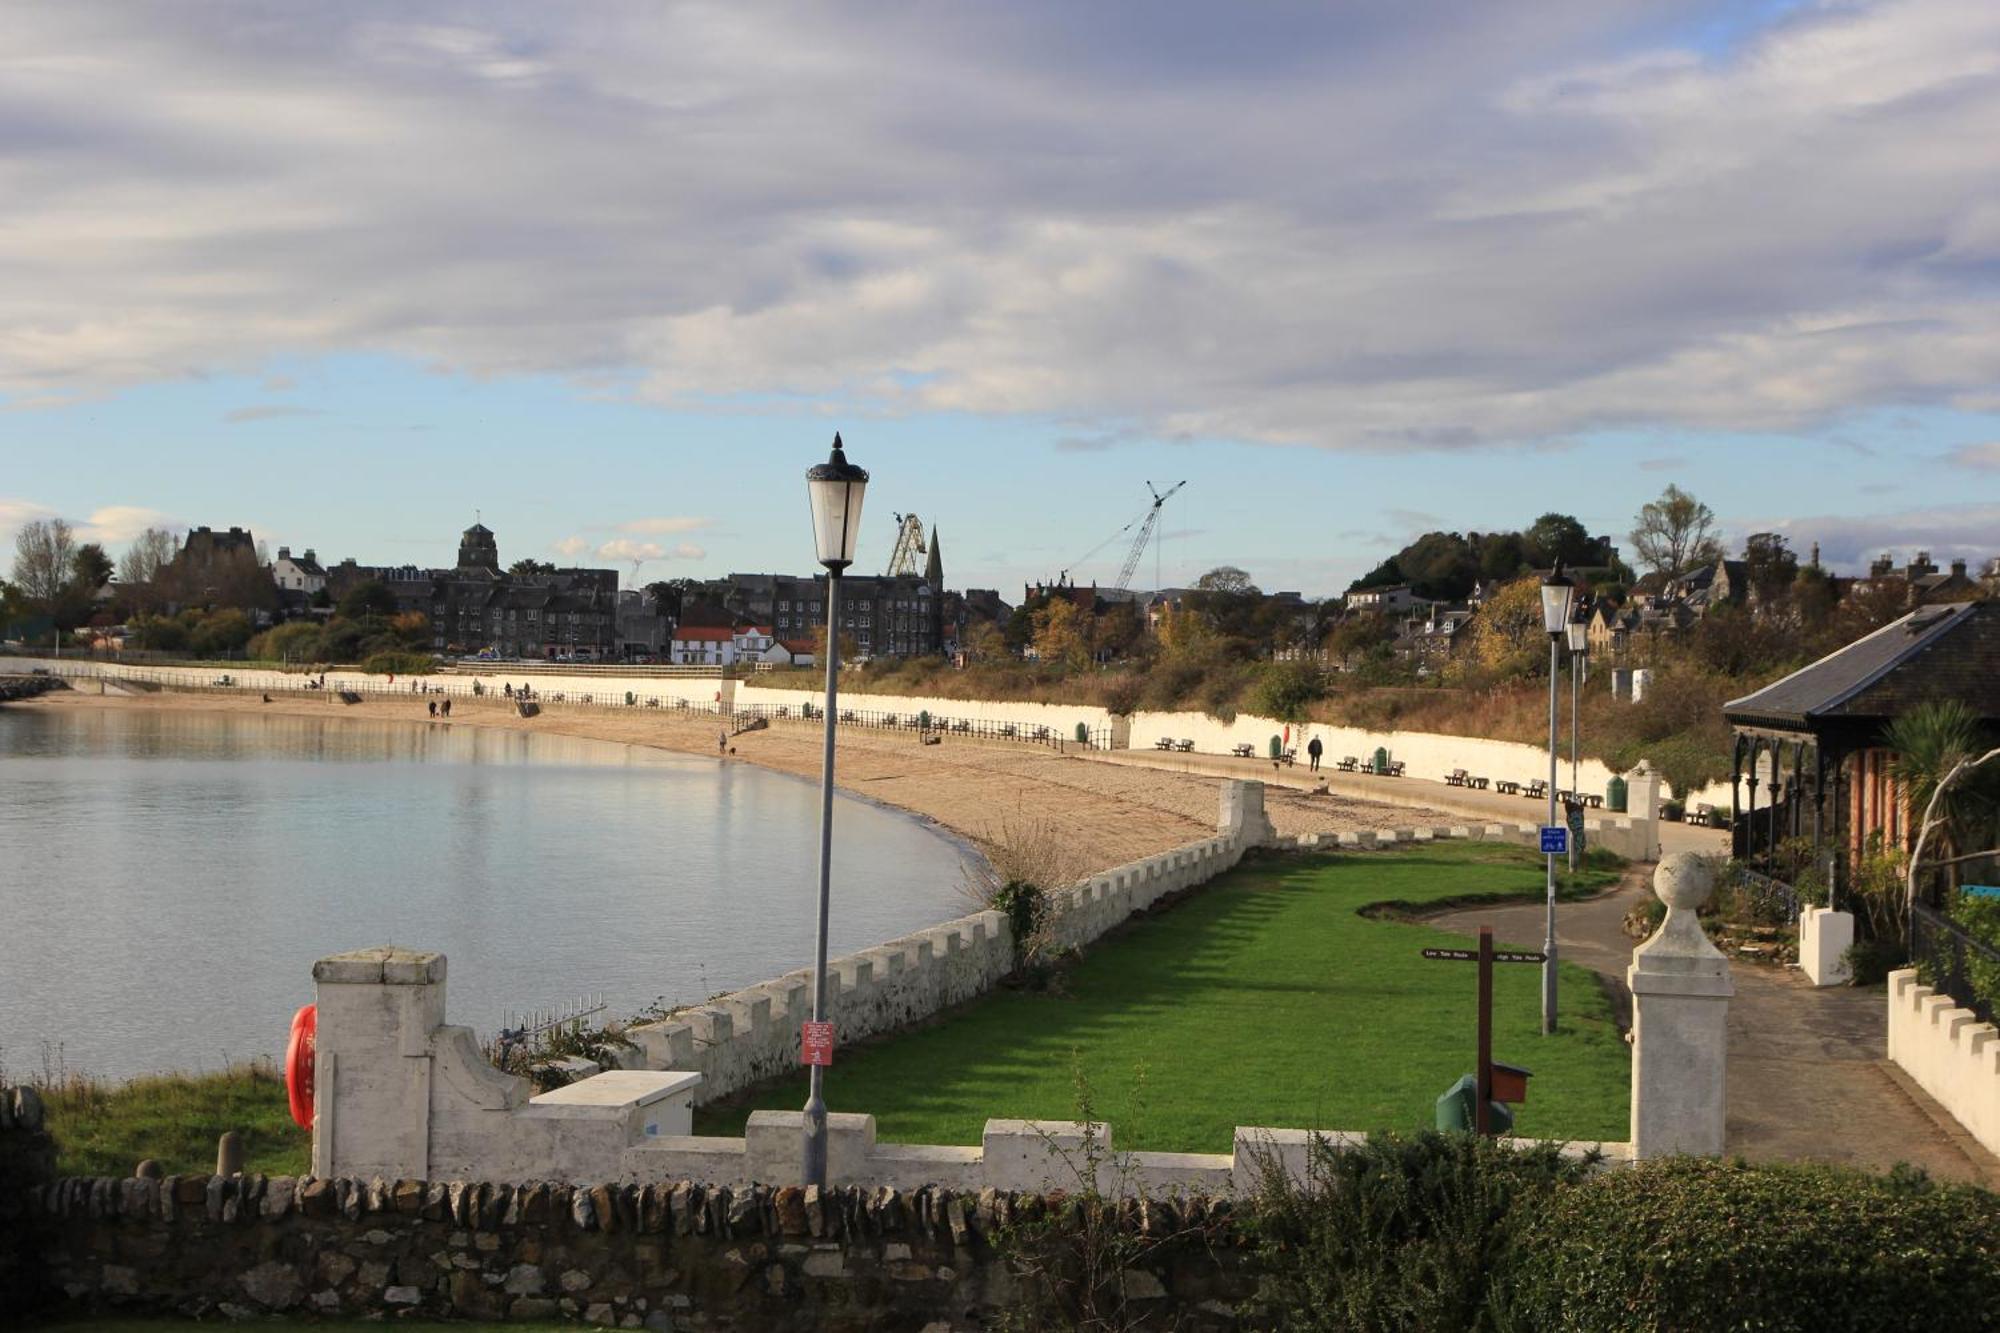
(1698,1245)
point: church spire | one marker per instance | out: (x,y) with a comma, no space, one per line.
(934,566)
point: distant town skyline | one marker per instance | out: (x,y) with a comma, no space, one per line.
(612,277)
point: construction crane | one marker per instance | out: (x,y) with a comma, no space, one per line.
(1146,531)
(908,556)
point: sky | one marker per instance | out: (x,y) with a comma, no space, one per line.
(608,278)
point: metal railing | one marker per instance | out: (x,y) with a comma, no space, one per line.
(1772,897)
(608,700)
(1948,958)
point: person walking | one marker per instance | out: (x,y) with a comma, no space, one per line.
(1313,751)
(722,743)
(434,707)
(446,708)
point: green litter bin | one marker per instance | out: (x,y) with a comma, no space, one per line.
(1455,1109)
(1381,759)
(1615,795)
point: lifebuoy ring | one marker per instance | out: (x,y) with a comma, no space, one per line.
(299,1062)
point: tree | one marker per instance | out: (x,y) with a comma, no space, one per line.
(1675,533)
(1061,635)
(44,561)
(527,568)
(370,598)
(1771,565)
(91,568)
(985,643)
(1931,742)
(1556,537)
(139,569)
(1507,633)
(1357,635)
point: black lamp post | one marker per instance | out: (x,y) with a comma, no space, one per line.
(1556,594)
(1579,662)
(835,488)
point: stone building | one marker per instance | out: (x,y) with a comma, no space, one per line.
(885,615)
(477,609)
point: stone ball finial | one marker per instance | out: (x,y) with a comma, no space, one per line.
(1683,880)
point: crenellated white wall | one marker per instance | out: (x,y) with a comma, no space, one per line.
(1949,1052)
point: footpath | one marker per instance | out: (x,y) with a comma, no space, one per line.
(1809,1074)
(1415,791)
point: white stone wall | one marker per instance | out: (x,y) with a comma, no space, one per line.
(1949,1052)
(1058,718)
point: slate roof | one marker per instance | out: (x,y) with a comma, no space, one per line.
(1946,651)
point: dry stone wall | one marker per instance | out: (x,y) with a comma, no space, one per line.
(658,1256)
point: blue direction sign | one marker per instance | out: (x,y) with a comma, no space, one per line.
(1555,840)
(1980,890)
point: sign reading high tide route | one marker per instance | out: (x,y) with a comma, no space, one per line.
(1555,840)
(816,1040)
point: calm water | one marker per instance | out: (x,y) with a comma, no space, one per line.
(166,880)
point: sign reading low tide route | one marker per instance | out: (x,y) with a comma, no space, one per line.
(1555,840)
(1499,955)
(1486,956)
(816,1040)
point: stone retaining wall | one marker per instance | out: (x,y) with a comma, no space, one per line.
(659,1256)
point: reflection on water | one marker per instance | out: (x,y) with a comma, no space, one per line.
(167,878)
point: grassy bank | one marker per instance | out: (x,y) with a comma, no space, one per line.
(106,1129)
(1266,999)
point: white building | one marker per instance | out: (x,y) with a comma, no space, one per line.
(703,645)
(301,574)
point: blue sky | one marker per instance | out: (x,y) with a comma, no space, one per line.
(612,277)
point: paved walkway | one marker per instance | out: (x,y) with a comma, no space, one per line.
(1427,793)
(1808,1074)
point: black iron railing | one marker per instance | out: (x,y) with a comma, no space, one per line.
(1955,962)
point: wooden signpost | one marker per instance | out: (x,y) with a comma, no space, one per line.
(1485,956)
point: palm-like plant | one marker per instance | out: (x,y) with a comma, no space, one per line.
(1938,749)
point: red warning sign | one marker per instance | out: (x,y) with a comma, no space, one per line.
(817,1042)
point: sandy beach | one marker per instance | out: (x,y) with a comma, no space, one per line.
(990,792)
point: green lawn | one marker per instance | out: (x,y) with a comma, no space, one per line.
(104,1129)
(1264,999)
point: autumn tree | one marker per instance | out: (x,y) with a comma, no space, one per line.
(1062,635)
(1507,633)
(1675,533)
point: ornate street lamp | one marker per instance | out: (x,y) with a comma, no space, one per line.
(835,488)
(1579,664)
(1557,594)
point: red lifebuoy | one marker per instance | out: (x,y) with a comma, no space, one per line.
(299,1063)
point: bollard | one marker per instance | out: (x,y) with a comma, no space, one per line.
(229,1154)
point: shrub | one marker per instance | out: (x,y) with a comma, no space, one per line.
(397,664)
(1398,1232)
(298,641)
(1286,689)
(1980,918)
(1694,1244)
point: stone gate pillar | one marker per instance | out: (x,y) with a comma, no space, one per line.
(1680,1022)
(372,1086)
(1242,814)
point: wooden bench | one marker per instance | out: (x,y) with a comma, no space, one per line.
(1184,746)
(1481,783)
(1243,749)
(1349,764)
(1707,816)
(1458,777)
(1593,800)
(1536,790)
(1164,743)
(1287,757)
(1395,769)
(1506,788)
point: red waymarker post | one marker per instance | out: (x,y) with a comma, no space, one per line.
(816,1043)
(1485,957)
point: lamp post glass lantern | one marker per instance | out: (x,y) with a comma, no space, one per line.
(835,488)
(1557,592)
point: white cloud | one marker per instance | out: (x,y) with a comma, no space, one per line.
(1848,542)
(1377,227)
(1984,457)
(108,525)
(657,527)
(624,548)
(571,546)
